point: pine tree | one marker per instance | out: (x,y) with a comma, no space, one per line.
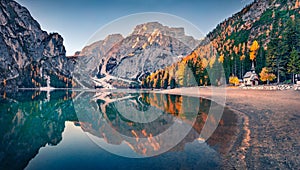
(157,82)
(275,54)
(273,58)
(291,36)
(293,64)
(198,71)
(215,74)
(165,80)
(172,83)
(190,72)
(151,83)
(290,44)
(145,82)
(260,60)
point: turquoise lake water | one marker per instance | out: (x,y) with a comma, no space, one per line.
(106,130)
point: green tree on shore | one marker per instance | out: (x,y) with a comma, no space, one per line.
(294,64)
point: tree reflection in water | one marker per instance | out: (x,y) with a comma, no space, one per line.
(31,120)
(149,123)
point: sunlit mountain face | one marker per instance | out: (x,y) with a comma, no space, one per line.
(122,62)
(128,124)
(29,54)
(140,120)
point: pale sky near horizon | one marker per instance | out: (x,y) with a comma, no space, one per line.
(77,21)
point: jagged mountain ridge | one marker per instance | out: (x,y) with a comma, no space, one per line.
(177,32)
(137,55)
(101,47)
(126,60)
(29,54)
(91,56)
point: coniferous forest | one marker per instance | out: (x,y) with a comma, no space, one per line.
(271,42)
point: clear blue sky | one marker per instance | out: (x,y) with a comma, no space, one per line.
(78,20)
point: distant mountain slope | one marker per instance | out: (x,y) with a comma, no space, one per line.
(139,54)
(126,60)
(28,54)
(273,24)
(89,59)
(178,33)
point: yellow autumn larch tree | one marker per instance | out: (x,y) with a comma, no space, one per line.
(4,82)
(212,61)
(242,57)
(253,50)
(234,80)
(181,73)
(266,76)
(221,59)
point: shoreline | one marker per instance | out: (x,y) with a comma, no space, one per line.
(268,125)
(235,161)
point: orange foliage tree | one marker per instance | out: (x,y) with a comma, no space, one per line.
(221,59)
(266,76)
(234,80)
(253,50)
(4,82)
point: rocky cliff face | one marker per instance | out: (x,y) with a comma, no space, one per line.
(100,48)
(150,47)
(177,33)
(89,59)
(123,61)
(31,57)
(138,54)
(29,54)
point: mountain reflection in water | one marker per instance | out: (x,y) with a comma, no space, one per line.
(40,130)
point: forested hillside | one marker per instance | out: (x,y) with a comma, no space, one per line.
(265,32)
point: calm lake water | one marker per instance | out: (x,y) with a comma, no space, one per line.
(109,130)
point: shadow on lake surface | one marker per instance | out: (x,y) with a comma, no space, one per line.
(68,129)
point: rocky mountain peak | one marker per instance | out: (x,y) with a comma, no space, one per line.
(118,61)
(54,46)
(112,38)
(91,56)
(100,47)
(28,53)
(147,29)
(256,10)
(150,27)
(14,13)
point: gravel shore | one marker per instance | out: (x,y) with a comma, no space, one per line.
(268,136)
